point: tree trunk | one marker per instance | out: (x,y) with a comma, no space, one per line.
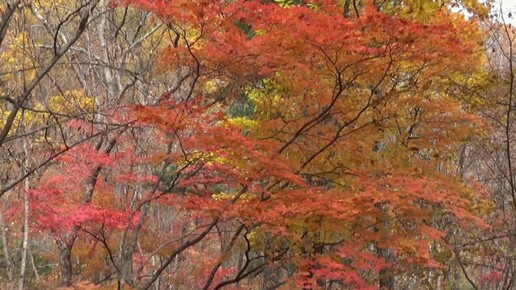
(34,269)
(386,277)
(7,255)
(26,214)
(65,262)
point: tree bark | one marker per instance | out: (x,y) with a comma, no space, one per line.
(65,262)
(386,278)
(26,215)
(7,255)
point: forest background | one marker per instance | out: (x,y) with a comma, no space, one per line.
(273,144)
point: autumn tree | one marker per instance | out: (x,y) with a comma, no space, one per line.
(488,258)
(376,87)
(209,144)
(65,66)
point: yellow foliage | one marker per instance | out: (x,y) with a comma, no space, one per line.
(71,101)
(15,58)
(227,196)
(243,122)
(268,99)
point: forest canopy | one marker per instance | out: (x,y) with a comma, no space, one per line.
(257,144)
